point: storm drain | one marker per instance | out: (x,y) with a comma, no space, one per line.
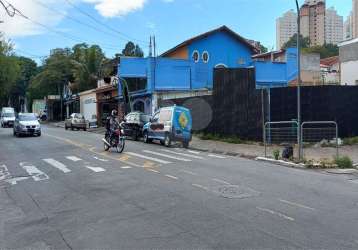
(236,192)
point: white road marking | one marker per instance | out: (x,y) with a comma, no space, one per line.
(166,156)
(34,172)
(96,169)
(171,177)
(126,167)
(276,213)
(57,165)
(221,181)
(100,159)
(296,204)
(4,173)
(73,158)
(14,181)
(217,156)
(189,172)
(148,158)
(199,186)
(152,170)
(194,152)
(182,154)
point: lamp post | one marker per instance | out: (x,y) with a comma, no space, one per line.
(299,81)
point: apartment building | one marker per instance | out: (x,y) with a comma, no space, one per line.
(333,26)
(286,27)
(348,28)
(355,19)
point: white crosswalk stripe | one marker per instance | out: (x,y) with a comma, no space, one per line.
(96,169)
(148,158)
(183,154)
(34,172)
(166,156)
(60,166)
(73,158)
(217,156)
(4,172)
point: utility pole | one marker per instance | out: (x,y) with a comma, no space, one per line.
(150,46)
(155,47)
(299,82)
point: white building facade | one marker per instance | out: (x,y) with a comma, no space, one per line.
(348,28)
(355,18)
(333,27)
(286,27)
(348,56)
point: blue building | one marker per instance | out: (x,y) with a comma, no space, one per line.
(185,70)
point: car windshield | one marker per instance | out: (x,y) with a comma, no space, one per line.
(27,118)
(8,115)
(145,118)
(78,116)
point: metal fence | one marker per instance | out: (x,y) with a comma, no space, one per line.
(323,134)
(280,133)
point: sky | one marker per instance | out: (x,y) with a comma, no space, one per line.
(111,23)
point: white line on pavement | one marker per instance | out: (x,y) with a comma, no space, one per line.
(217,156)
(126,167)
(189,172)
(182,154)
(167,156)
(73,158)
(34,172)
(100,159)
(221,181)
(152,170)
(296,204)
(4,172)
(276,213)
(147,158)
(171,177)
(194,152)
(96,169)
(57,165)
(199,186)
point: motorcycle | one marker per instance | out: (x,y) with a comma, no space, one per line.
(117,140)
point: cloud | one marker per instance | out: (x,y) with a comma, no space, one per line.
(18,26)
(116,8)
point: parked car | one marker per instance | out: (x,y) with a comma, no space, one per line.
(77,121)
(7,117)
(133,124)
(169,124)
(27,124)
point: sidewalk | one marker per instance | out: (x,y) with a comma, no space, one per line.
(255,150)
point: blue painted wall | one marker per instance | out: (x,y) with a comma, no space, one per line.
(222,48)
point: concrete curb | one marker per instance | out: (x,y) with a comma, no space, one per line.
(281,162)
(228,153)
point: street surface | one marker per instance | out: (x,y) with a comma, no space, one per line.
(62,191)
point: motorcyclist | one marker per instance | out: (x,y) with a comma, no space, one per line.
(112,123)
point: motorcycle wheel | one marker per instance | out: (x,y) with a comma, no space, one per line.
(120,145)
(106,147)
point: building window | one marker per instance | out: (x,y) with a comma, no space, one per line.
(205,57)
(220,66)
(195,56)
(136,84)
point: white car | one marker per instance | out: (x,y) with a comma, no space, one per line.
(27,124)
(7,117)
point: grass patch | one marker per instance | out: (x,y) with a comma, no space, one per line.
(343,162)
(350,141)
(228,139)
(276,154)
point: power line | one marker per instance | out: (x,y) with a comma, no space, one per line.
(103,24)
(10,10)
(30,54)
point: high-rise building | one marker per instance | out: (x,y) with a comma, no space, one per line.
(348,28)
(333,27)
(286,27)
(355,18)
(313,21)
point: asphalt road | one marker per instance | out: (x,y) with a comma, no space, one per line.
(62,191)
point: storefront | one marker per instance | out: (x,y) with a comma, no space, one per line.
(107,100)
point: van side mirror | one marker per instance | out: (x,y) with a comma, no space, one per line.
(151,119)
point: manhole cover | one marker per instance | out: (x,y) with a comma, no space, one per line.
(237,192)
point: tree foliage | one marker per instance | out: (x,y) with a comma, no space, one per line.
(263,49)
(132,50)
(327,50)
(292,42)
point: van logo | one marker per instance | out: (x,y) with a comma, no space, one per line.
(183,120)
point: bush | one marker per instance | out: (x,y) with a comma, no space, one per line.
(276,154)
(215,137)
(344,162)
(350,141)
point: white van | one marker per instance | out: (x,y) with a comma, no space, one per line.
(7,117)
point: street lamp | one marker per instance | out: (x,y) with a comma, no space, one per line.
(299,81)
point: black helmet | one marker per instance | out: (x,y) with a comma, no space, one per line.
(114,112)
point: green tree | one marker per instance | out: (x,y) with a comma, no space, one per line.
(292,42)
(263,49)
(327,50)
(132,50)
(9,70)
